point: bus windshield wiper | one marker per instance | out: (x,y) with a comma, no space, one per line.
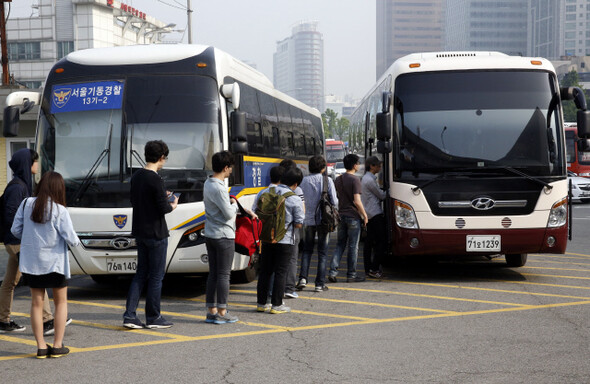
(82,188)
(528,177)
(442,176)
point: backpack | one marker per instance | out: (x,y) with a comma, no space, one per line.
(247,233)
(328,211)
(3,227)
(270,209)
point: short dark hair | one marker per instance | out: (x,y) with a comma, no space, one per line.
(288,163)
(222,159)
(276,173)
(316,164)
(350,161)
(34,155)
(154,150)
(292,176)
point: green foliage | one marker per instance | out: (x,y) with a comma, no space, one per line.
(335,127)
(571,79)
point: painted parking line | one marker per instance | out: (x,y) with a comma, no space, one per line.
(559,269)
(556,276)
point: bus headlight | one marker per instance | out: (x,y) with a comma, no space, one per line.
(558,214)
(192,237)
(404,216)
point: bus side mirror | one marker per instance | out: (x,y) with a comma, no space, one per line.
(11,121)
(583,121)
(384,126)
(239,137)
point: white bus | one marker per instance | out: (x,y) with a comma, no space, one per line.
(100,106)
(474,154)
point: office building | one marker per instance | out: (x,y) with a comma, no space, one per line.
(483,25)
(405,27)
(298,65)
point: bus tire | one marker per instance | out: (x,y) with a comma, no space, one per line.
(516,259)
(244,276)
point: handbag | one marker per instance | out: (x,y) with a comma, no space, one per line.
(247,233)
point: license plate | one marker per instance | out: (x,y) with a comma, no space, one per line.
(121,265)
(484,243)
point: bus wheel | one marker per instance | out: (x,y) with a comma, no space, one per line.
(244,276)
(516,259)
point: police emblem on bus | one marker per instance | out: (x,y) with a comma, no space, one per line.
(120,220)
(61,96)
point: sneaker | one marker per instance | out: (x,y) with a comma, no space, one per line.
(262,308)
(210,318)
(227,318)
(357,279)
(159,323)
(375,274)
(11,326)
(132,323)
(49,325)
(59,352)
(332,279)
(320,288)
(44,353)
(291,295)
(301,284)
(280,309)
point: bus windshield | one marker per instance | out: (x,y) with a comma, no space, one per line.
(97,150)
(478,120)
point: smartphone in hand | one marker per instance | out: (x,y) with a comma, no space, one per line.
(171,197)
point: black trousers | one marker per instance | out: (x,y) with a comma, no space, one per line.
(374,248)
(273,259)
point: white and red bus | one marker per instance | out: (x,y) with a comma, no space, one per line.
(335,152)
(578,151)
(474,154)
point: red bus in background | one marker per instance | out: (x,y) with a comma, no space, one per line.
(335,152)
(578,151)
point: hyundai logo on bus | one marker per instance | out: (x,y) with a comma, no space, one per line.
(483,203)
(121,243)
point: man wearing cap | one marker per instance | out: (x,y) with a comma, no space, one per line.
(372,197)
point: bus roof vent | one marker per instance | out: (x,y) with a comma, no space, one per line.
(464,54)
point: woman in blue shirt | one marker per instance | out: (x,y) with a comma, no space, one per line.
(44,226)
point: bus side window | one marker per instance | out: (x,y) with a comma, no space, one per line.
(269,118)
(276,141)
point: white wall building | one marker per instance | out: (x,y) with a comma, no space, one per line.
(57,28)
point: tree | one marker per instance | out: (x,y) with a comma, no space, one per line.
(330,120)
(571,79)
(342,128)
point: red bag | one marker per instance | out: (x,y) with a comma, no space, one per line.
(247,233)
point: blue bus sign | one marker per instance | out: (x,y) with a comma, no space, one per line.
(86,96)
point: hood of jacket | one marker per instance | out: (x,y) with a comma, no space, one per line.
(20,164)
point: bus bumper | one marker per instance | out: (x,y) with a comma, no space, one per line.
(453,242)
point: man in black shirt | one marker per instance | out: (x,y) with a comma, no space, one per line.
(150,203)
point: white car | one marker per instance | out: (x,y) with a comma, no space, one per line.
(580,187)
(339,169)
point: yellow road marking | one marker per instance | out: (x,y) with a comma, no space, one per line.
(310,327)
(554,262)
(560,269)
(427,296)
(503,290)
(558,276)
(574,256)
(358,303)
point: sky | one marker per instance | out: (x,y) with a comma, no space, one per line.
(250,29)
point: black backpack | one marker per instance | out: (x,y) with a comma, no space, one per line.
(3,227)
(328,211)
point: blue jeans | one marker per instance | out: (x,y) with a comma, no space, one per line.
(349,232)
(151,267)
(309,232)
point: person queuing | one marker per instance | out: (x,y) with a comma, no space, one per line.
(24,163)
(150,202)
(291,278)
(45,227)
(275,257)
(372,197)
(353,215)
(312,186)
(220,233)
